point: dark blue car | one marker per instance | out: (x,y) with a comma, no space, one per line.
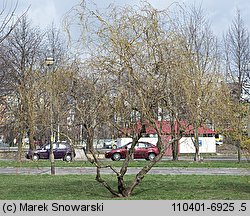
(61,151)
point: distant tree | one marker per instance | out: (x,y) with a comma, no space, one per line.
(201,77)
(237,64)
(22,55)
(90,98)
(56,85)
(8,21)
(237,55)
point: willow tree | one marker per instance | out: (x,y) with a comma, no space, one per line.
(133,51)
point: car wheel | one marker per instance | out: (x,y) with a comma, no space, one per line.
(35,157)
(116,156)
(68,158)
(151,156)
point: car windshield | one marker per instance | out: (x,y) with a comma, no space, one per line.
(48,146)
(138,145)
(55,146)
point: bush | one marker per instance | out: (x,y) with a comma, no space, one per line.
(245,145)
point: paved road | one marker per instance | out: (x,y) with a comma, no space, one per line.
(155,170)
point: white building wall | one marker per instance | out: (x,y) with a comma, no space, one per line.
(207,145)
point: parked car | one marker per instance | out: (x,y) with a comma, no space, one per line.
(112,144)
(61,151)
(143,150)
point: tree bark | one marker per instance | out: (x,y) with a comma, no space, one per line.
(238,152)
(175,150)
(90,139)
(196,144)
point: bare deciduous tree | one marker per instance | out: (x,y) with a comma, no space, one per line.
(201,70)
(237,59)
(237,55)
(8,22)
(22,55)
(8,19)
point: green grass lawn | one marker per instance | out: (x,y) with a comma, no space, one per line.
(136,163)
(157,187)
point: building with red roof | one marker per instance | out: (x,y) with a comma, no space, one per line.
(206,136)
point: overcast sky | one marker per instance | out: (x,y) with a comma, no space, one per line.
(219,12)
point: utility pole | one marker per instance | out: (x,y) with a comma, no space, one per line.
(50,62)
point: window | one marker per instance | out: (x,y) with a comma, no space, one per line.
(148,145)
(62,146)
(141,145)
(47,147)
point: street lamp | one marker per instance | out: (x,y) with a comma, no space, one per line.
(248,101)
(50,61)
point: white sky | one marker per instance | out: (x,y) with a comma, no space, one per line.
(220,12)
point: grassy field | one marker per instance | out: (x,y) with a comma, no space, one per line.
(157,187)
(139,163)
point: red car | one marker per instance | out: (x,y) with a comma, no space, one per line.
(143,150)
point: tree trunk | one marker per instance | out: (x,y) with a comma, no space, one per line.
(122,190)
(31,138)
(174,144)
(175,150)
(52,163)
(197,156)
(139,177)
(20,148)
(90,140)
(238,152)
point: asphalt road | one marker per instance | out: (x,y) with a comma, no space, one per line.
(155,170)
